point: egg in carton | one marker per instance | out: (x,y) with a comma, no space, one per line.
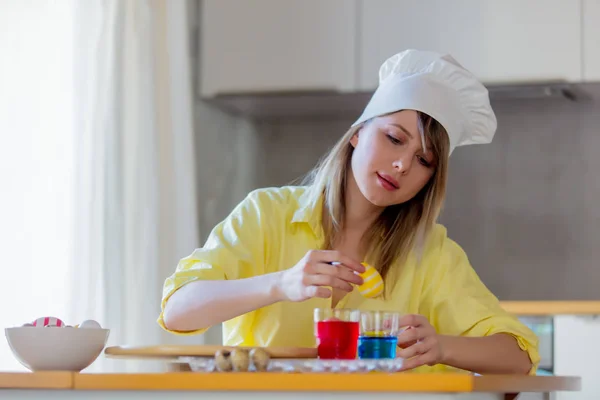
(241,360)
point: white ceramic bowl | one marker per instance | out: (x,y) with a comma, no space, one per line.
(56,348)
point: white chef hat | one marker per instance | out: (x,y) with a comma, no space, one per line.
(438,86)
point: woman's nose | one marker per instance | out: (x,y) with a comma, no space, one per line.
(402,165)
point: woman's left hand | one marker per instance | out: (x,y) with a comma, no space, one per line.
(419,344)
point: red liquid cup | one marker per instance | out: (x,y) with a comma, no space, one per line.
(337,331)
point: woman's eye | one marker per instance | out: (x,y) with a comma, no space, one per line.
(424,161)
(394,139)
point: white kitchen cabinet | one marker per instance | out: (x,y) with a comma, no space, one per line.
(277,45)
(576,353)
(499,41)
(591,40)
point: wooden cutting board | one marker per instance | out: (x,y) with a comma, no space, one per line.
(175,351)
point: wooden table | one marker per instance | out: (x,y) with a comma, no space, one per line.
(265,386)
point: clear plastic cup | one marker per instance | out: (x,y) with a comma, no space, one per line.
(336,331)
(378,334)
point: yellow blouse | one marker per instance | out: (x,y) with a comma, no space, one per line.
(273,228)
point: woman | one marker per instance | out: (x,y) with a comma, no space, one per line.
(374,198)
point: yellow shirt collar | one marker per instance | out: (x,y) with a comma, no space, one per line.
(310,212)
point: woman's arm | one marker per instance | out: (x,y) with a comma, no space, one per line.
(495,354)
(202,304)
(472,329)
(498,353)
(227,275)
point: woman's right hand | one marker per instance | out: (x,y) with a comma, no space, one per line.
(308,277)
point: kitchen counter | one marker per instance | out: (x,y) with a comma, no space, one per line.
(186,385)
(550,308)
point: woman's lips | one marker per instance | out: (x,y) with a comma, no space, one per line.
(388,182)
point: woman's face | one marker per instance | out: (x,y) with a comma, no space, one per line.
(388,162)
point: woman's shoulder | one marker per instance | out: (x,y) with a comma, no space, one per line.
(277,194)
(446,266)
(436,239)
(440,251)
(273,201)
(273,198)
(261,213)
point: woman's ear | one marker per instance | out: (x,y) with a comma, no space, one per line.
(354,139)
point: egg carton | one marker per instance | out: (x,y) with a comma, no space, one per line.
(199,364)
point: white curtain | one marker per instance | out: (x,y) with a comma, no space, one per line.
(36,163)
(98,201)
(135,206)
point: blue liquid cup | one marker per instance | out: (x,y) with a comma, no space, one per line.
(378,337)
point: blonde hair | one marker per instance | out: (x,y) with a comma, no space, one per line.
(399,228)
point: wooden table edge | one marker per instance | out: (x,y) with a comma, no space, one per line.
(252,381)
(376,382)
(518,383)
(37,380)
(285,382)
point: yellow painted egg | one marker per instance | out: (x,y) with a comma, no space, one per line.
(372,282)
